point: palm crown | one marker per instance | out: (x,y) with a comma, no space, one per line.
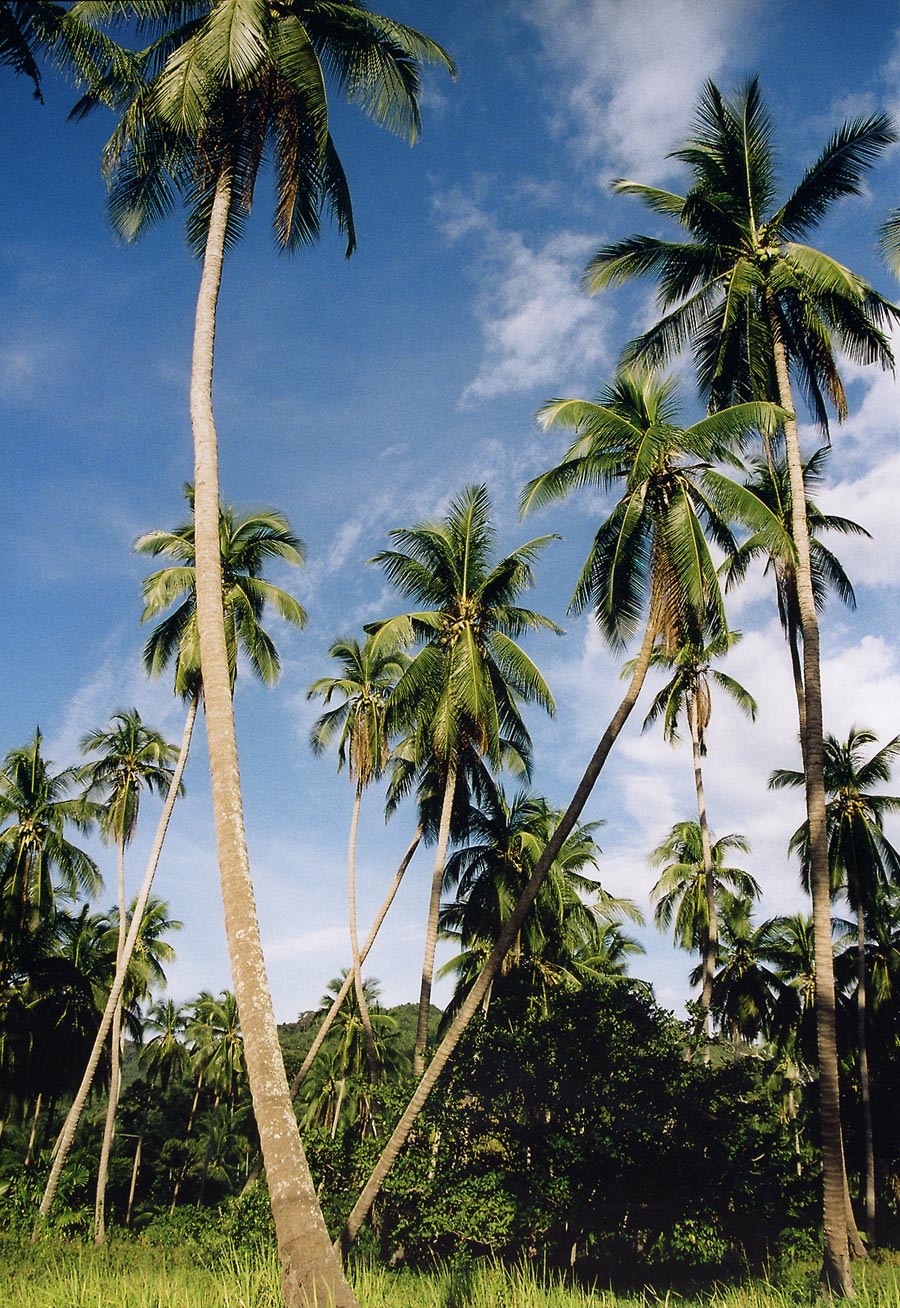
(652,550)
(246,542)
(741,273)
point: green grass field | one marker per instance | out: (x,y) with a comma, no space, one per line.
(131,1275)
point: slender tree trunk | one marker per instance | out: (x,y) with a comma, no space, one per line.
(115,1055)
(328,1020)
(310,1271)
(342,1085)
(711,952)
(371,1055)
(508,934)
(434,907)
(136,1167)
(67,1135)
(29,1152)
(204,1171)
(864,1086)
(836,1273)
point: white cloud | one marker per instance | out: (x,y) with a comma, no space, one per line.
(634,69)
(538,326)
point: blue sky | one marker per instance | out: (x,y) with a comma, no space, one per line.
(359,395)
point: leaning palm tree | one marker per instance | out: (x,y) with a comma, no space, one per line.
(234,85)
(650,560)
(131,758)
(688,692)
(246,543)
(760,307)
(693,878)
(358,721)
(863,863)
(463,689)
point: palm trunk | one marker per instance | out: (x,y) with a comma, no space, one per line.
(342,1085)
(364,1017)
(864,1087)
(507,935)
(67,1134)
(115,1075)
(711,952)
(135,1169)
(204,1171)
(836,1263)
(310,1270)
(434,906)
(256,1170)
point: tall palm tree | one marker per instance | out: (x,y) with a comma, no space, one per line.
(247,543)
(745,988)
(863,862)
(688,692)
(160,1058)
(463,689)
(358,721)
(132,757)
(234,85)
(649,559)
(769,480)
(759,307)
(694,877)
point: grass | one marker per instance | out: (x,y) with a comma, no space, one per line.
(129,1275)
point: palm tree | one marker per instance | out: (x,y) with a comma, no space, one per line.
(863,862)
(215,98)
(650,554)
(66,36)
(161,1058)
(688,692)
(463,689)
(745,988)
(759,306)
(358,721)
(562,939)
(769,480)
(37,804)
(131,757)
(694,876)
(247,543)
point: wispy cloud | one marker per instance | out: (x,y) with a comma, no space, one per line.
(538,327)
(633,71)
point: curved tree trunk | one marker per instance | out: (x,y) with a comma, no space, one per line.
(836,1263)
(115,1075)
(371,1055)
(434,907)
(67,1134)
(327,1021)
(711,952)
(864,1086)
(187,1136)
(510,930)
(135,1169)
(310,1271)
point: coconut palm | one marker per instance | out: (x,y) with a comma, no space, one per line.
(131,757)
(759,307)
(769,480)
(863,862)
(247,543)
(561,940)
(234,85)
(37,804)
(161,1058)
(694,876)
(68,38)
(688,693)
(745,988)
(463,689)
(358,722)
